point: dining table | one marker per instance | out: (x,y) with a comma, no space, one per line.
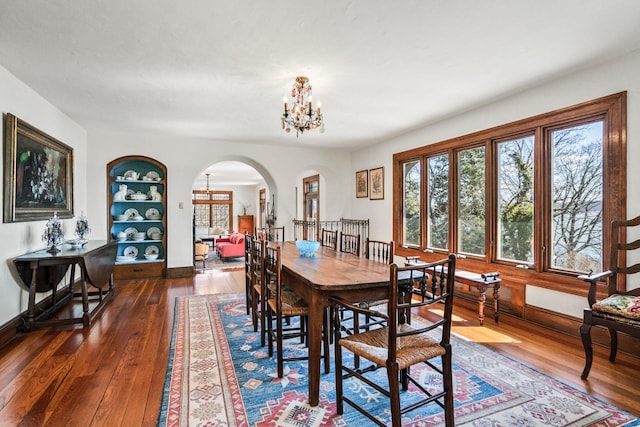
(329,273)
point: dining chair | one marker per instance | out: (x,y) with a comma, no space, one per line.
(618,312)
(201,253)
(405,341)
(380,251)
(282,304)
(247,270)
(258,288)
(350,243)
(271,234)
(329,239)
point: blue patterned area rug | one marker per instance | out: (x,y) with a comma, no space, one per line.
(218,375)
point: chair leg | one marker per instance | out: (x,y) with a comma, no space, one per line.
(338,369)
(585,333)
(394,393)
(254,309)
(326,334)
(614,344)
(263,320)
(280,350)
(447,378)
(270,331)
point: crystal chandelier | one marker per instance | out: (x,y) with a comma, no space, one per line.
(301,116)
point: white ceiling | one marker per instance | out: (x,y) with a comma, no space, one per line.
(219,69)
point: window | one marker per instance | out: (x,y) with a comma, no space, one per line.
(411,201)
(471,201)
(515,200)
(576,195)
(213,209)
(533,194)
(438,202)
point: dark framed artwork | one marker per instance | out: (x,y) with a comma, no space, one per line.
(362,183)
(376,183)
(38,173)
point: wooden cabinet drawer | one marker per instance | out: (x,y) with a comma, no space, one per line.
(138,270)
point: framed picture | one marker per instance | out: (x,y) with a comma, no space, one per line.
(376,184)
(362,183)
(38,173)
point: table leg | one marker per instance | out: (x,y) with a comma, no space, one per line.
(86,316)
(482,299)
(496,301)
(316,320)
(31,309)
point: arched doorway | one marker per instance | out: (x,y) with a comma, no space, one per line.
(223,194)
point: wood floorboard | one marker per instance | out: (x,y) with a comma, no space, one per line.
(113,372)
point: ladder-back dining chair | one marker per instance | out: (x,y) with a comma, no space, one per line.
(404,341)
(620,310)
(258,288)
(247,270)
(283,304)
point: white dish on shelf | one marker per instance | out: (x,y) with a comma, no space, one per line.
(120,217)
(131,175)
(152,213)
(130,232)
(153,230)
(131,213)
(152,176)
(151,257)
(130,251)
(151,250)
(124,258)
(139,236)
(138,196)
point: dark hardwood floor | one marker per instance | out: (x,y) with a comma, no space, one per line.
(112,373)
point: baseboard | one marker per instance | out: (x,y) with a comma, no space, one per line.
(11,329)
(571,326)
(177,272)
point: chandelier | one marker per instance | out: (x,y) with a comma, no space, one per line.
(301,116)
(207,189)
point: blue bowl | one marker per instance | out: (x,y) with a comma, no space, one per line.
(307,247)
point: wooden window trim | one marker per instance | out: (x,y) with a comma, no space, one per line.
(611,108)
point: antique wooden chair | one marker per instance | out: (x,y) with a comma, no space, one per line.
(271,234)
(329,239)
(380,251)
(403,342)
(247,270)
(350,243)
(282,303)
(620,310)
(201,253)
(258,288)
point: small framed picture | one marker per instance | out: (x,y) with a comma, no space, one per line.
(362,183)
(376,183)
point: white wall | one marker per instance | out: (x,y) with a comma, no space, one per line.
(186,159)
(616,76)
(22,237)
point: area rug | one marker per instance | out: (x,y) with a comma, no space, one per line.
(218,375)
(214,262)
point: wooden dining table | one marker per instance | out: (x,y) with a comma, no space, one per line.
(329,273)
